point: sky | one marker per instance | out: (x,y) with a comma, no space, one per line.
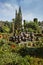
(30,9)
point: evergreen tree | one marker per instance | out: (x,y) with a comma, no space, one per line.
(18,20)
(15,26)
(24,25)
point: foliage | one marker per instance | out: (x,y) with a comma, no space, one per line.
(1,29)
(30,30)
(32,26)
(20,56)
(6,29)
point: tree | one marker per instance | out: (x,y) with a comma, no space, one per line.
(32,27)
(24,25)
(15,21)
(35,20)
(13,25)
(18,20)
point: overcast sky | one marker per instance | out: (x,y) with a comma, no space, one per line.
(30,9)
